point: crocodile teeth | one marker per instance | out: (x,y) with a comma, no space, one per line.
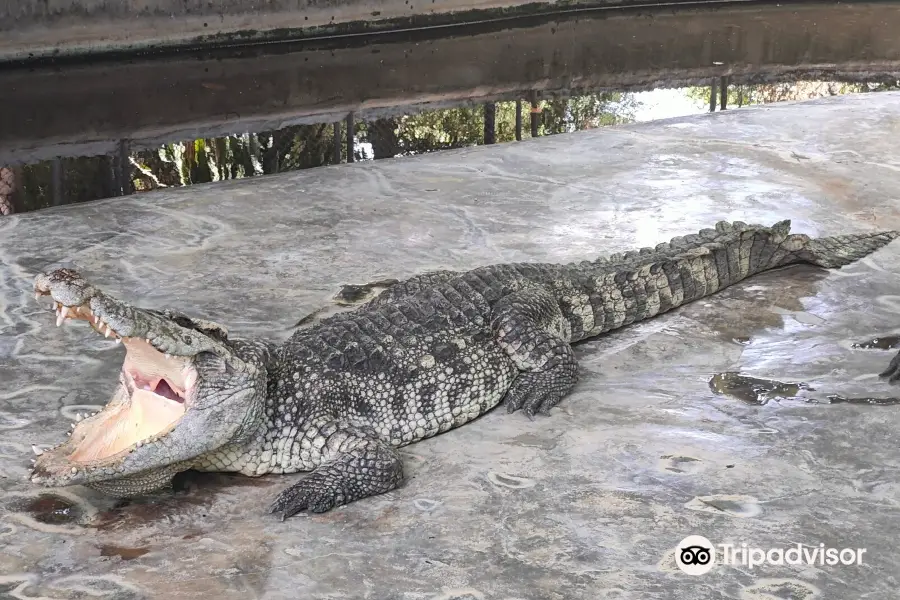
(36,450)
(79,417)
(61,315)
(118,340)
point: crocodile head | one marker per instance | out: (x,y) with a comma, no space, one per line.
(184,390)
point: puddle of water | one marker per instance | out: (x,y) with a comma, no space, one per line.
(351,294)
(838,399)
(49,509)
(754,390)
(889,342)
(123,552)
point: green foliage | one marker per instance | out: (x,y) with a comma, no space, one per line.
(460,127)
(745,95)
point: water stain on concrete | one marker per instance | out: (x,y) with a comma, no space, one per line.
(192,494)
(510,481)
(780,589)
(734,505)
(679,464)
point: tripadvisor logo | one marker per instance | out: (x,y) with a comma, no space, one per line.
(696,555)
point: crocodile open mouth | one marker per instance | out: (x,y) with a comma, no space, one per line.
(153,394)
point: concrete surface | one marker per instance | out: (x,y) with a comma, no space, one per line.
(153,102)
(40,29)
(588,503)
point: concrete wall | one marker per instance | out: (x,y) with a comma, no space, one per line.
(44,28)
(88,109)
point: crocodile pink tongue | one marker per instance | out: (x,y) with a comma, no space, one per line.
(157,402)
(158,386)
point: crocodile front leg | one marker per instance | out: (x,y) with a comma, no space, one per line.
(355,464)
(892,373)
(530,326)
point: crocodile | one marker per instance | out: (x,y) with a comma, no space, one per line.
(338,399)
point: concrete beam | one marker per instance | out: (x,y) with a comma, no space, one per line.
(35,29)
(86,110)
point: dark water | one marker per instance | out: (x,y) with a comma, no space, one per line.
(49,509)
(837,399)
(754,390)
(123,552)
(152,122)
(889,342)
(352,294)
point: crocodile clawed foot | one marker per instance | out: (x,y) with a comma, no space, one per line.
(368,468)
(534,394)
(313,494)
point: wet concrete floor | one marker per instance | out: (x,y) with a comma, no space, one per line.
(588,503)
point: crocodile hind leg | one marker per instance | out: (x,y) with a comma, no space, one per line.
(354,465)
(531,328)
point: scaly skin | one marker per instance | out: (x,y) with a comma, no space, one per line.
(427,355)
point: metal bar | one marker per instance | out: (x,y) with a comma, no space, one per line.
(723,96)
(350,145)
(490,123)
(712,96)
(518,120)
(56,181)
(337,142)
(535,117)
(18,197)
(124,182)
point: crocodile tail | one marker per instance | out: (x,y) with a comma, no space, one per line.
(750,249)
(840,250)
(732,235)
